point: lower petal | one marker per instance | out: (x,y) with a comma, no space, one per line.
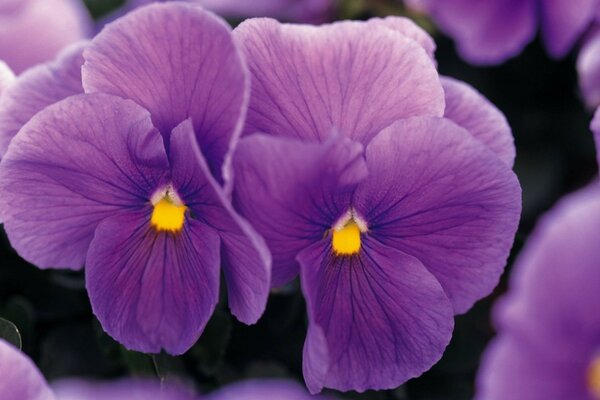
(150,290)
(384,317)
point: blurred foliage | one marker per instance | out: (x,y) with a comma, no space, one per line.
(555,156)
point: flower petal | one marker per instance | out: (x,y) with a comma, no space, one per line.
(150,290)
(563,22)
(37,31)
(147,56)
(261,390)
(471,110)
(439,195)
(595,126)
(74,164)
(245,257)
(21,380)
(38,88)
(385,317)
(7,76)
(293,192)
(486,31)
(409,29)
(124,389)
(588,68)
(350,77)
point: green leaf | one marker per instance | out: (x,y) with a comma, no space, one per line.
(10,333)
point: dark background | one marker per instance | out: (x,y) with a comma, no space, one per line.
(555,156)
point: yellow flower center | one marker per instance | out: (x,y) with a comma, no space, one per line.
(593,378)
(168,216)
(346,241)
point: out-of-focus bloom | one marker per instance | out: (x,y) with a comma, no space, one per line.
(114,179)
(309,11)
(34,31)
(7,76)
(262,390)
(588,69)
(390,241)
(491,31)
(548,346)
(21,380)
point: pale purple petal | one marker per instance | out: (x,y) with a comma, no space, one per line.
(436,193)
(38,88)
(21,380)
(262,390)
(563,22)
(349,77)
(408,28)
(35,31)
(153,290)
(74,164)
(293,192)
(244,256)
(595,126)
(124,389)
(386,319)
(471,110)
(179,62)
(7,76)
(486,31)
(550,317)
(588,68)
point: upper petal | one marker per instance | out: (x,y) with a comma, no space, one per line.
(21,380)
(563,21)
(386,319)
(179,62)
(293,192)
(153,290)
(471,110)
(486,31)
(441,196)
(350,77)
(74,164)
(38,88)
(37,30)
(245,258)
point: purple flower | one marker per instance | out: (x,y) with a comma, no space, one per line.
(491,31)
(588,67)
(7,76)
(548,346)
(114,179)
(261,390)
(34,31)
(395,217)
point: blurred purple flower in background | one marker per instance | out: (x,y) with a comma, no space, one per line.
(34,31)
(548,346)
(491,31)
(395,217)
(122,186)
(263,390)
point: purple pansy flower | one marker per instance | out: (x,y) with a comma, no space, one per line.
(548,346)
(34,31)
(491,31)
(114,179)
(395,217)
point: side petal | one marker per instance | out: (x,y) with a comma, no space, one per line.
(38,88)
(149,290)
(385,317)
(471,110)
(294,192)
(74,164)
(564,21)
(245,258)
(179,62)
(349,77)
(36,31)
(21,380)
(439,195)
(588,69)
(486,32)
